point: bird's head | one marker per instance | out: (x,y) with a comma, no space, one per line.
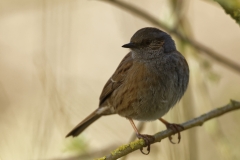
(150,39)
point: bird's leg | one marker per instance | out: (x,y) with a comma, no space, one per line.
(148,139)
(174,127)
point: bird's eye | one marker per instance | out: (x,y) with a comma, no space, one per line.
(147,42)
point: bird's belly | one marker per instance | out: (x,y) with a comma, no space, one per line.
(151,109)
(147,96)
(150,102)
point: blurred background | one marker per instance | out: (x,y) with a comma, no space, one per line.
(56,55)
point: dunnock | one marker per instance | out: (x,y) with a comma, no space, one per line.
(149,81)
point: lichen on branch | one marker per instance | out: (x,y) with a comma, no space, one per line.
(199,121)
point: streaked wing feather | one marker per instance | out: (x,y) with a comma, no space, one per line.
(117,78)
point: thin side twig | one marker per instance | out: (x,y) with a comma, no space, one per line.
(137,144)
(151,19)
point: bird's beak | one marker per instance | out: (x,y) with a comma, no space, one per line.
(129,45)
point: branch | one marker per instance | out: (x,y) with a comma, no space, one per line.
(137,144)
(151,19)
(231,7)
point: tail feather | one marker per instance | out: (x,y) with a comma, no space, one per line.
(84,124)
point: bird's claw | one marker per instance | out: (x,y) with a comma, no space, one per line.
(176,128)
(148,139)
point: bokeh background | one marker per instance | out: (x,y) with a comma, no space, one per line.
(56,55)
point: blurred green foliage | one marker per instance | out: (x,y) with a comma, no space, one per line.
(231,7)
(76,145)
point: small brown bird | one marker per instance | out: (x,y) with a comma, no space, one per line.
(149,81)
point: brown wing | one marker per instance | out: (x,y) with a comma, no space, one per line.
(117,78)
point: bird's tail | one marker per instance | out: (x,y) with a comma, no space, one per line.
(84,124)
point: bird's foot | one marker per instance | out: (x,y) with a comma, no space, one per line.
(176,128)
(148,139)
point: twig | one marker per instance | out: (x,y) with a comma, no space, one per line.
(135,145)
(151,19)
